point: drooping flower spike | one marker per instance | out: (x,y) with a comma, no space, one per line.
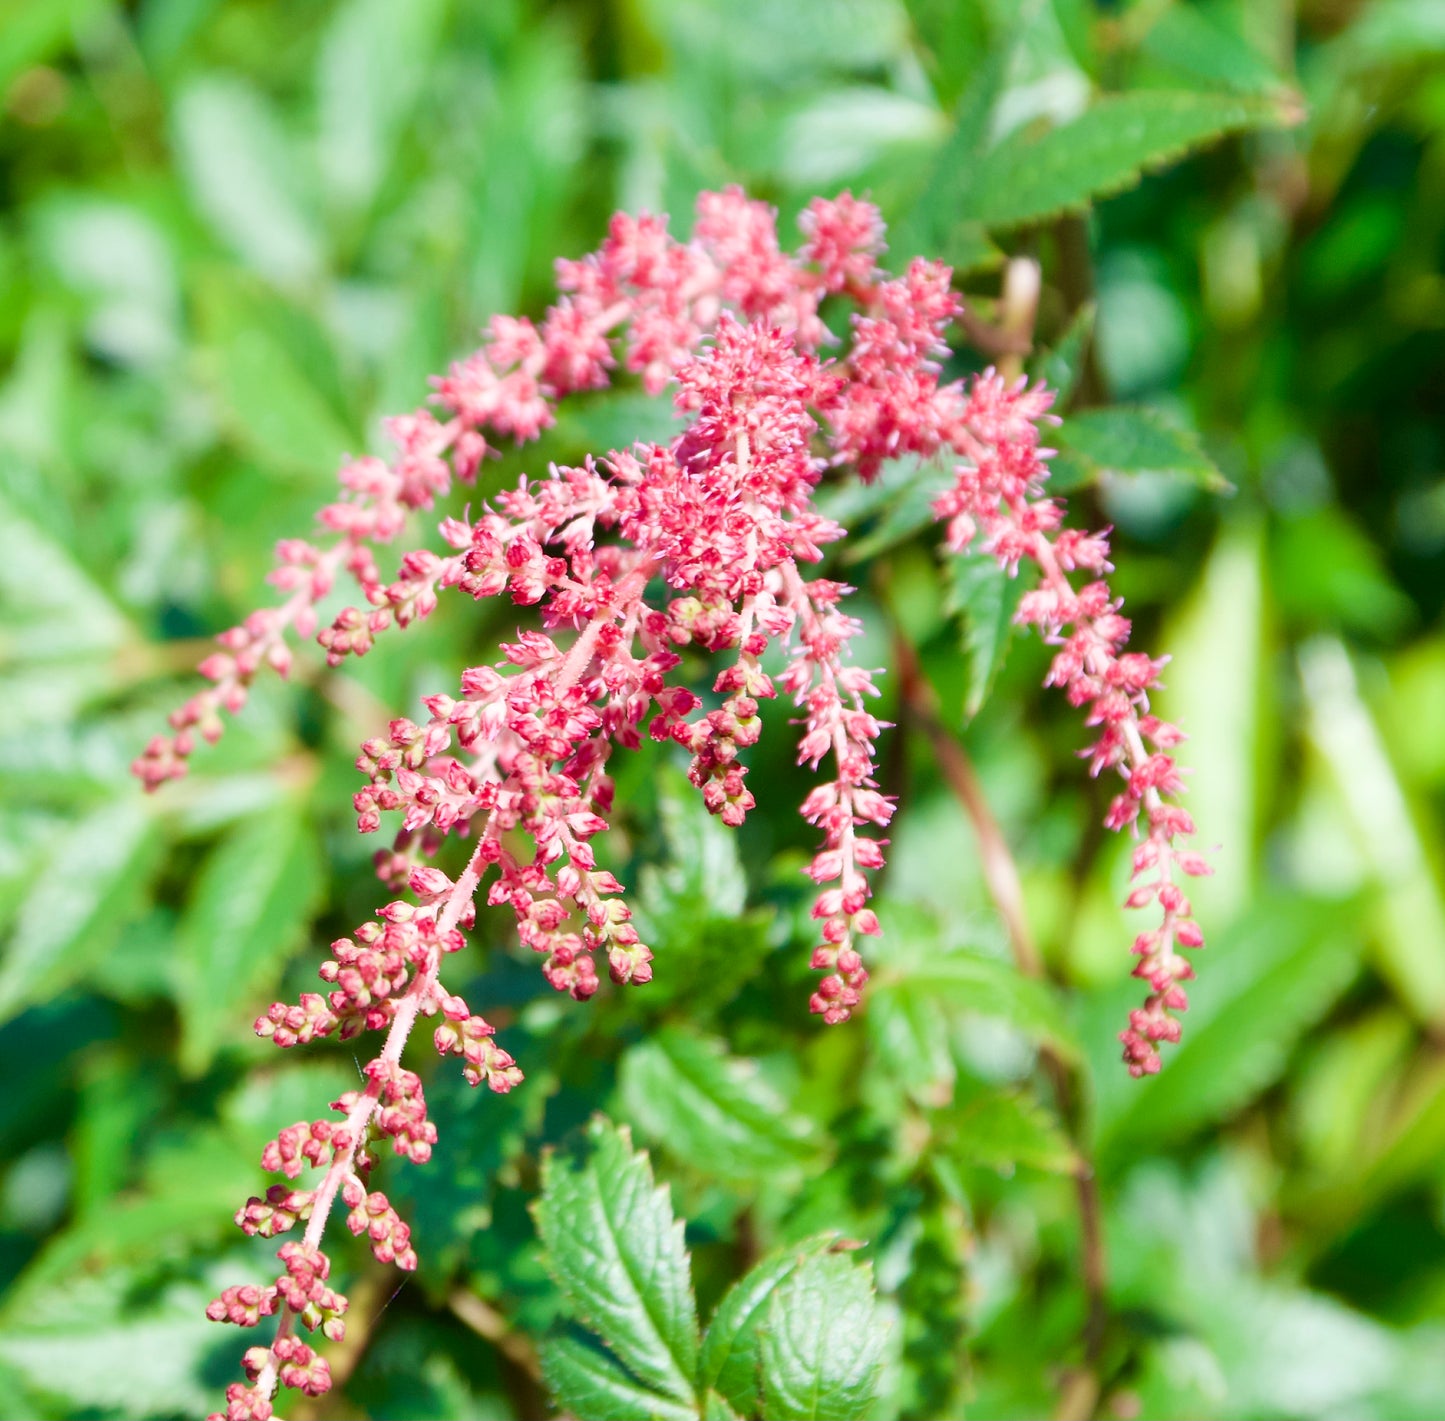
(705,542)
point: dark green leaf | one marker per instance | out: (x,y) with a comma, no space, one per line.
(1061,365)
(823,1347)
(685,1091)
(617,1253)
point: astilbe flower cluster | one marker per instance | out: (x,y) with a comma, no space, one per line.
(703,542)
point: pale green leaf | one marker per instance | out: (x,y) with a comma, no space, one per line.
(617,1253)
(822,1350)
(1261,987)
(714,1408)
(95,872)
(248,911)
(371,69)
(684,1091)
(53,608)
(843,131)
(969,981)
(276,380)
(702,876)
(1229,719)
(110,1347)
(1410,914)
(239,165)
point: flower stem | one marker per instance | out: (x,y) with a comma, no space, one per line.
(1005,888)
(359,1116)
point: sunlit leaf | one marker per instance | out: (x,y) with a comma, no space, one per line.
(1411,914)
(1136,440)
(730,1350)
(823,1343)
(684,1091)
(247,913)
(74,909)
(371,69)
(1033,175)
(242,171)
(617,1253)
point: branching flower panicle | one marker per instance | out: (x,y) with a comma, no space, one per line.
(705,542)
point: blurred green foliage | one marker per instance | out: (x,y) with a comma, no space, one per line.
(233,235)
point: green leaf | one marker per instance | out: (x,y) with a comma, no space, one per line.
(911,1034)
(1132,439)
(686,1092)
(714,1408)
(94,874)
(939,223)
(588,1383)
(903,495)
(1261,987)
(53,608)
(1409,915)
(33,34)
(277,379)
(239,165)
(1197,42)
(249,910)
(598,424)
(704,869)
(982,593)
(1061,366)
(823,1347)
(191,1187)
(371,68)
(731,1349)
(1035,175)
(109,1346)
(617,1253)
(968,981)
(1001,1129)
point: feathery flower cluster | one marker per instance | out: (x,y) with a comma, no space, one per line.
(998,497)
(629,559)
